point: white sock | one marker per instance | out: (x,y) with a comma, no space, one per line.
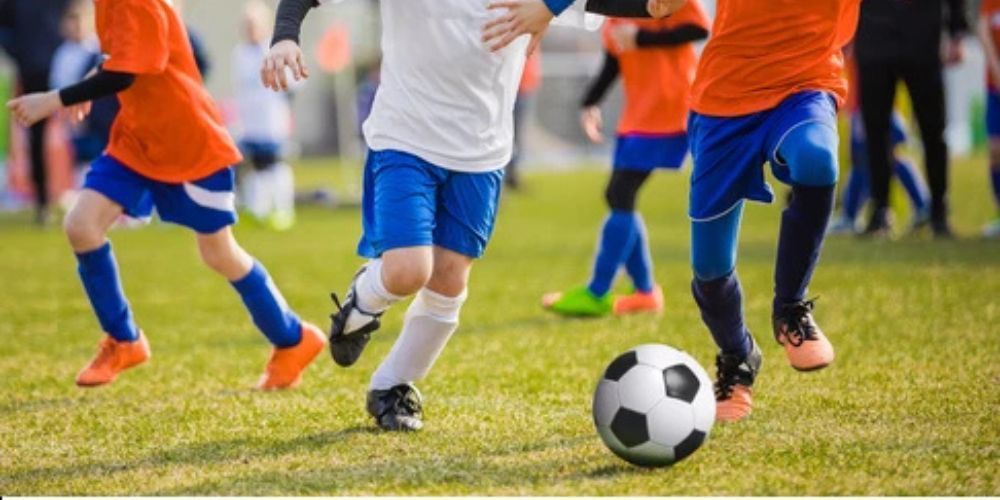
(284,188)
(430,321)
(371,296)
(251,192)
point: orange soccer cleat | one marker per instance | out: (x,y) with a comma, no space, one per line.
(734,384)
(639,302)
(284,369)
(114,357)
(805,345)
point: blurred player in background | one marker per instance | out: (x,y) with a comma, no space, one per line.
(439,135)
(265,122)
(656,60)
(988,30)
(32,35)
(531,82)
(856,191)
(79,54)
(767,91)
(169,150)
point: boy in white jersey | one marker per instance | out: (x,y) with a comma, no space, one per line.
(440,133)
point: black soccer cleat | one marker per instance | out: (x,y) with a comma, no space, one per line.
(346,346)
(396,409)
(879,225)
(734,384)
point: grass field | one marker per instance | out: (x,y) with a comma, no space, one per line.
(911,406)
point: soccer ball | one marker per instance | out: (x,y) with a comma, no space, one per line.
(654,406)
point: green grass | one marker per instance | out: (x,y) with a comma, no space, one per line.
(910,407)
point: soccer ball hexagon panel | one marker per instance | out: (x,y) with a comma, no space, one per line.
(654,405)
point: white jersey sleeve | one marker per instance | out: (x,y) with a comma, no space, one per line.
(576,16)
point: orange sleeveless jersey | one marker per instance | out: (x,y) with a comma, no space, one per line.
(168,128)
(657,80)
(990,10)
(763,51)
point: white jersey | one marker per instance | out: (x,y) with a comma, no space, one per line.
(264,115)
(444,97)
(72,61)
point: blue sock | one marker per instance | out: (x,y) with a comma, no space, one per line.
(721,304)
(855,193)
(99,273)
(803,225)
(617,238)
(995,178)
(639,264)
(268,308)
(912,183)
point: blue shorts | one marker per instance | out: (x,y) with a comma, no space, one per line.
(261,154)
(730,152)
(205,205)
(993,114)
(408,202)
(645,152)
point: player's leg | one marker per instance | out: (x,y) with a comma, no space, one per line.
(465,217)
(207,206)
(284,196)
(398,211)
(717,291)
(992,230)
(926,86)
(807,160)
(253,182)
(915,187)
(430,321)
(878,90)
(617,240)
(855,191)
(109,189)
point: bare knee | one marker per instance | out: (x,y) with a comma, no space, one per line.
(406,271)
(83,232)
(451,273)
(222,254)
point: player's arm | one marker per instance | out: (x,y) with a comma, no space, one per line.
(532,17)
(626,37)
(989,47)
(285,51)
(590,113)
(32,108)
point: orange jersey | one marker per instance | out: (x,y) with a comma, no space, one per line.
(531,79)
(990,11)
(657,80)
(763,51)
(168,128)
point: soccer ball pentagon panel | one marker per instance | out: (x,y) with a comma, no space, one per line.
(654,406)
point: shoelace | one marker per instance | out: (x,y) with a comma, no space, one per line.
(798,328)
(106,352)
(404,401)
(727,378)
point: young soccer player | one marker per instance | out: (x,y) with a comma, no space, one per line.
(988,30)
(268,184)
(767,90)
(656,60)
(168,150)
(439,134)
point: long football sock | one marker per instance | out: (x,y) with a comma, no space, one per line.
(284,188)
(430,321)
(914,185)
(254,193)
(803,225)
(99,272)
(371,296)
(639,264)
(617,238)
(721,303)
(268,308)
(995,180)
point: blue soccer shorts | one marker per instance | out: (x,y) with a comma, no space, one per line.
(993,114)
(408,202)
(646,152)
(204,205)
(730,152)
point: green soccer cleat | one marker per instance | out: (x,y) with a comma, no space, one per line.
(578,301)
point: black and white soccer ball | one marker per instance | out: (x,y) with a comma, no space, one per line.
(654,406)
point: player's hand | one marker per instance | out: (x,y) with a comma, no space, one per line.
(30,109)
(523,17)
(954,51)
(283,56)
(623,37)
(77,112)
(592,121)
(663,8)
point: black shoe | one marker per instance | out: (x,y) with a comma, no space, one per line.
(346,347)
(942,229)
(732,370)
(879,225)
(396,409)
